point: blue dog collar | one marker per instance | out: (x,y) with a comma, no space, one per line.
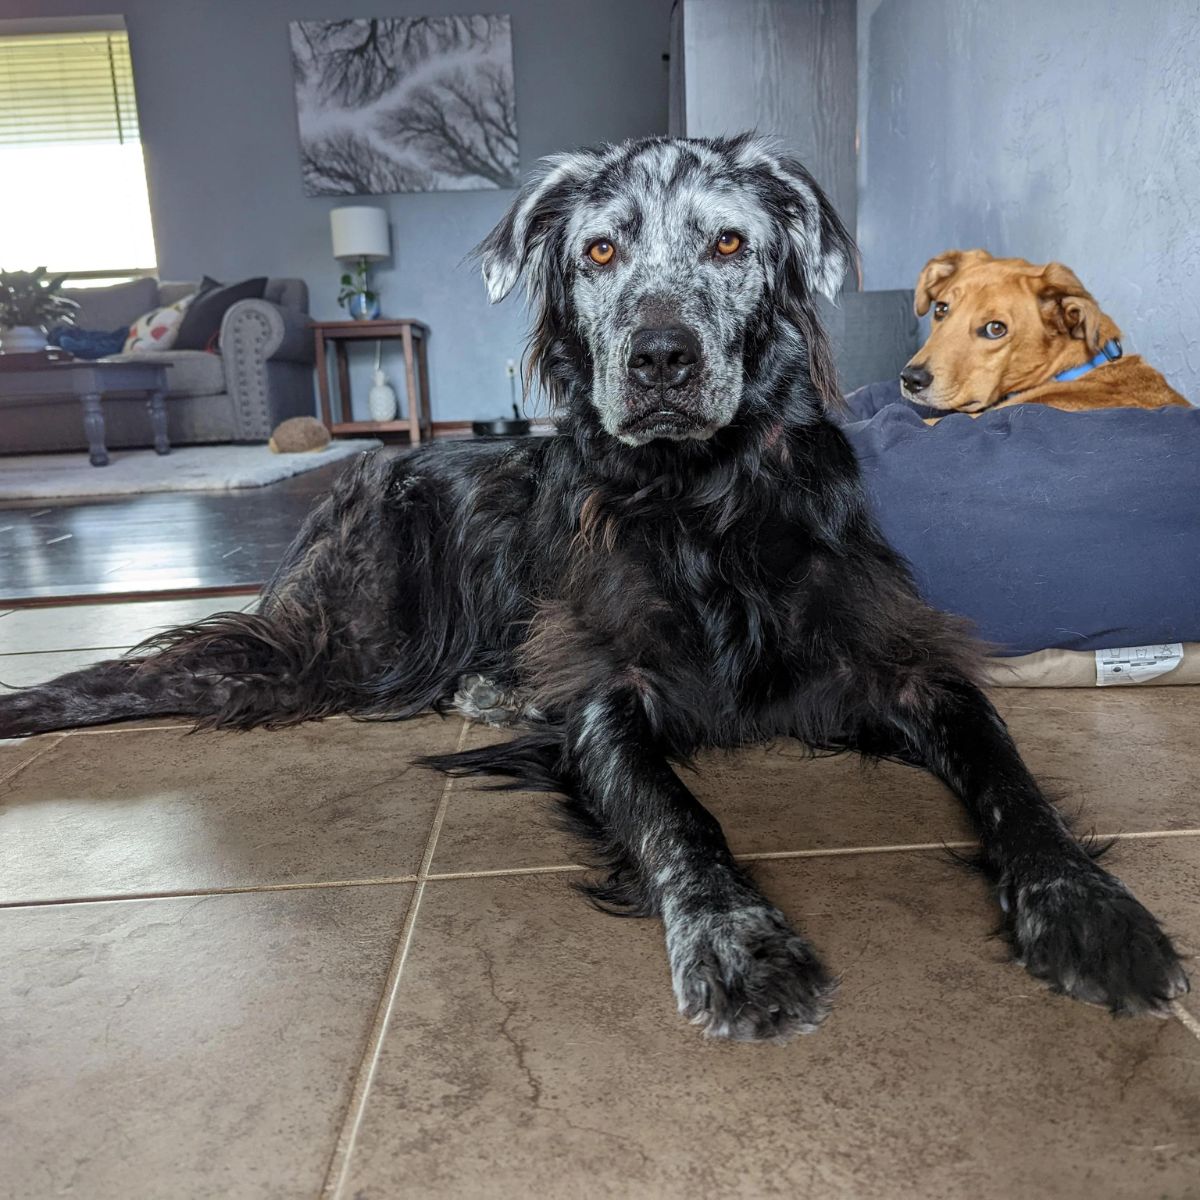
(1109,352)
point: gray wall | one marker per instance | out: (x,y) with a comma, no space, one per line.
(214,90)
(758,64)
(1066,130)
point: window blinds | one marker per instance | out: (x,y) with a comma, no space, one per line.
(66,88)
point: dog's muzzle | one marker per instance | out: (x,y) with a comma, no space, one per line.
(661,364)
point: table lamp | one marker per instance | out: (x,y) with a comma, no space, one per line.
(360,235)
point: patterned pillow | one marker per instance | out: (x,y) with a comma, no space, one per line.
(158,329)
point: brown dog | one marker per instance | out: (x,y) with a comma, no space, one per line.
(1006,331)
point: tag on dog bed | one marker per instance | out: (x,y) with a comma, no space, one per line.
(1136,664)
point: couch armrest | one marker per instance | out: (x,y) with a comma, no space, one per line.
(267,352)
(258,329)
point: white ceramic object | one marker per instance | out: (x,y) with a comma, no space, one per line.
(381,399)
(22,339)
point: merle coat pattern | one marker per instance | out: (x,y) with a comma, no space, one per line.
(688,564)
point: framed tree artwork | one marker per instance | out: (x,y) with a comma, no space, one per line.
(407,104)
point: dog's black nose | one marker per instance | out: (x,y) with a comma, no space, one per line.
(663,357)
(915,378)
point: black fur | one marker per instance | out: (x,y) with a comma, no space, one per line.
(644,603)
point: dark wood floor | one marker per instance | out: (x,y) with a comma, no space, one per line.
(165,544)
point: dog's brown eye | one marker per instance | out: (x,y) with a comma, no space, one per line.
(601,252)
(940,309)
(728,243)
(994,329)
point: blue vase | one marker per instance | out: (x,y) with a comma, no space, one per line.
(362,309)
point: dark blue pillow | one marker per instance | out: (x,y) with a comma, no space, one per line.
(1044,528)
(88,343)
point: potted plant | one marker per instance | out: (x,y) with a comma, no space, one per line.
(356,296)
(29,302)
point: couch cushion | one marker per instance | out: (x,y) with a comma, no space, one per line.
(286,293)
(192,372)
(108,307)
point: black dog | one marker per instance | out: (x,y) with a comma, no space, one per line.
(688,564)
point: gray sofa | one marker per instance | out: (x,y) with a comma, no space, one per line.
(261,374)
(873,335)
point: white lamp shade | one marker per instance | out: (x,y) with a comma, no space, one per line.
(360,232)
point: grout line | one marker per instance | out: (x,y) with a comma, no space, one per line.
(774,855)
(339,1163)
(563,869)
(182,723)
(1185,1018)
(237,890)
(771,855)
(51,742)
(425,876)
(1146,834)
(64,650)
(767,855)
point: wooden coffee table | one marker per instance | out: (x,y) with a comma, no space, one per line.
(89,382)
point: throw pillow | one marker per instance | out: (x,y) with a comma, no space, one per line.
(158,329)
(202,322)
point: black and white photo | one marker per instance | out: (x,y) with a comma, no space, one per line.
(415,104)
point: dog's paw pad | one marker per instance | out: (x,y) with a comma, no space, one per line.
(745,975)
(1086,936)
(479,699)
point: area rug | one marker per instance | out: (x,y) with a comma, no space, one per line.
(185,469)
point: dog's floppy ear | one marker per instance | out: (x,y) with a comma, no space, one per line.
(938,270)
(516,246)
(933,275)
(825,246)
(821,243)
(1068,306)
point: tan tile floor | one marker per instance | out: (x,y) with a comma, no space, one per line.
(289,964)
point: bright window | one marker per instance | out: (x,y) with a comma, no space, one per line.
(73,196)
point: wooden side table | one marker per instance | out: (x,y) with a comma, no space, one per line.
(333,335)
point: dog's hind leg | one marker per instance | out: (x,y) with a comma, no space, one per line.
(117,690)
(232,670)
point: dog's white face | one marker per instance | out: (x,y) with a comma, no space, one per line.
(656,256)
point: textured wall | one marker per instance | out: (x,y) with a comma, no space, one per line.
(218,121)
(783,67)
(1066,130)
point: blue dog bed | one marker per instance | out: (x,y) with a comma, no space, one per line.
(1046,529)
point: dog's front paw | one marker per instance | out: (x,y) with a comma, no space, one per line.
(745,975)
(1083,933)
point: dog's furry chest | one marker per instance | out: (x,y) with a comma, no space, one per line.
(683,616)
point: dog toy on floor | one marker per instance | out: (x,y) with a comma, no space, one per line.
(299,435)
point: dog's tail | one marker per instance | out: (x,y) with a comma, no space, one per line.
(532,763)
